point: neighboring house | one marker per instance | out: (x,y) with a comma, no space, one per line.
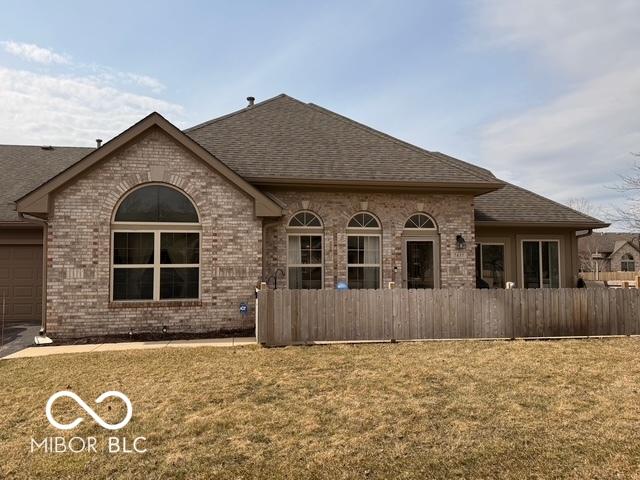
(610,251)
(167,228)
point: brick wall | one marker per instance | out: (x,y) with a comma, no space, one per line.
(78,260)
(453,214)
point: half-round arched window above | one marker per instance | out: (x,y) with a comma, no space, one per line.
(420,221)
(627,263)
(305,219)
(363,220)
(156,204)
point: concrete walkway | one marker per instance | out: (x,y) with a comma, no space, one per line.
(110,347)
(18,336)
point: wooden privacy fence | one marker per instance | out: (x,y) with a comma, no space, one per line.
(621,276)
(287,317)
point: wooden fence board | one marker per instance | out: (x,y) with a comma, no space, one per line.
(299,316)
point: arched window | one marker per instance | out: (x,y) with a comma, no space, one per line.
(363,220)
(627,263)
(155,246)
(420,221)
(305,219)
(363,251)
(304,255)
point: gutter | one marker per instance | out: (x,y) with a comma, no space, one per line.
(41,338)
(582,235)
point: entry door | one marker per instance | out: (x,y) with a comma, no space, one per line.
(421,265)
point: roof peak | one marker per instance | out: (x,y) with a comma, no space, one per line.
(481,174)
(247,108)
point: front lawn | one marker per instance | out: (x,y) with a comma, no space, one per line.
(411,410)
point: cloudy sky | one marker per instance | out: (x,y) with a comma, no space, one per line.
(545,93)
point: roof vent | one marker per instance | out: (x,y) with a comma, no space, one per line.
(46,147)
(98,142)
(251,101)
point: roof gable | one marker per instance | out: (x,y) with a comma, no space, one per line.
(621,243)
(36,202)
(285,141)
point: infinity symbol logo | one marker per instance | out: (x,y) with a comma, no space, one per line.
(89,410)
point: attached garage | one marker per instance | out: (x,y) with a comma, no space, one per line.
(21,276)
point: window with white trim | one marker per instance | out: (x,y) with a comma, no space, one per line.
(304,251)
(420,221)
(363,251)
(155,246)
(541,263)
(627,263)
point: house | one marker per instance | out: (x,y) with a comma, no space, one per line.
(167,229)
(610,252)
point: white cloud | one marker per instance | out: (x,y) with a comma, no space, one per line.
(574,144)
(34,53)
(69,110)
(145,81)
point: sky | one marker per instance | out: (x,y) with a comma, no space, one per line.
(545,93)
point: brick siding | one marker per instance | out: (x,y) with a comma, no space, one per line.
(78,257)
(452,213)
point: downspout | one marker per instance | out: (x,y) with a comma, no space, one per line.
(582,235)
(45,233)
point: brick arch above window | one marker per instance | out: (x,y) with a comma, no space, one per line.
(156,202)
(133,182)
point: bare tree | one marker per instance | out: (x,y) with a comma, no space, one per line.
(629,214)
(583,205)
(586,248)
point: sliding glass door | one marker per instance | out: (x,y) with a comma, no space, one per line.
(490,264)
(541,263)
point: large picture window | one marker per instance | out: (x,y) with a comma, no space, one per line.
(363,251)
(490,264)
(155,246)
(541,263)
(304,251)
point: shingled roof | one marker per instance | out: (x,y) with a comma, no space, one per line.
(283,140)
(512,205)
(25,167)
(607,242)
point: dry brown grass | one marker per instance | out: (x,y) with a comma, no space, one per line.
(430,410)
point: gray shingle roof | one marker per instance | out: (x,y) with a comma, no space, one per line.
(512,204)
(23,168)
(284,138)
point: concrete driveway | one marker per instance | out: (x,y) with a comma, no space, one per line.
(18,336)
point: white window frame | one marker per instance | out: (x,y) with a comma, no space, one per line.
(504,259)
(365,232)
(539,241)
(307,232)
(626,261)
(156,265)
(157,228)
(417,229)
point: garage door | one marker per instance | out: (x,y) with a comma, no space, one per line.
(21,282)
